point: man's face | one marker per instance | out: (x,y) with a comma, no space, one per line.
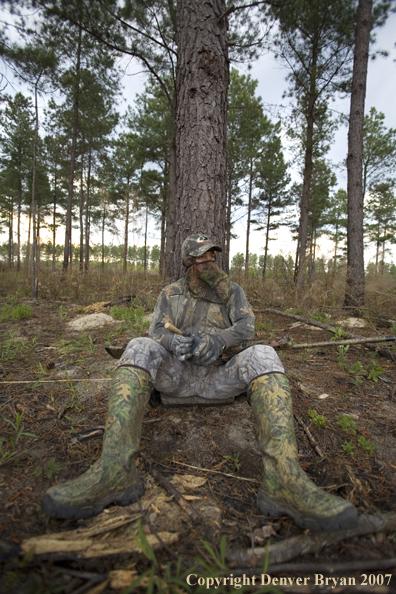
(204,262)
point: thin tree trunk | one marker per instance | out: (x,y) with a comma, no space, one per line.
(248,221)
(54,222)
(267,239)
(306,191)
(28,246)
(33,278)
(201,89)
(87,217)
(145,243)
(354,292)
(228,223)
(303,229)
(67,253)
(19,224)
(11,235)
(127,198)
(81,213)
(103,230)
(163,228)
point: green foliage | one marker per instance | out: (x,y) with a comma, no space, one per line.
(339,334)
(375,371)
(49,470)
(13,348)
(348,448)
(8,444)
(234,460)
(135,317)
(357,370)
(366,445)
(347,423)
(83,342)
(342,351)
(16,312)
(321,316)
(317,419)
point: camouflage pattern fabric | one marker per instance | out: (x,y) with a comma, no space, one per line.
(286,489)
(183,378)
(234,320)
(113,478)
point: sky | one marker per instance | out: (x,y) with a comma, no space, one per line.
(271,76)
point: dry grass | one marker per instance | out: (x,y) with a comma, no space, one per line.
(325,290)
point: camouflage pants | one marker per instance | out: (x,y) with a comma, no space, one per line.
(185,379)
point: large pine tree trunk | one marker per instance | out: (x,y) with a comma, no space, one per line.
(354,292)
(172,212)
(202,80)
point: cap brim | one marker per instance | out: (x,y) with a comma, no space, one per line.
(205,248)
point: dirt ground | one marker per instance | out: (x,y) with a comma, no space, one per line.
(66,419)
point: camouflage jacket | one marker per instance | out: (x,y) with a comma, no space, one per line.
(233,320)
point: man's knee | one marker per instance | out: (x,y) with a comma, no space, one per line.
(264,356)
(143,352)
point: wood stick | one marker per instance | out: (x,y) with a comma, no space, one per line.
(311,438)
(173,328)
(384,352)
(239,478)
(311,542)
(171,490)
(337,342)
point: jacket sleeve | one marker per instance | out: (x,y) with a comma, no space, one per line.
(241,316)
(162,314)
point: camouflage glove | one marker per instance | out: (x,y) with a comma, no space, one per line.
(181,346)
(210,348)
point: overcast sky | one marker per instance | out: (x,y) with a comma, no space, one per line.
(271,75)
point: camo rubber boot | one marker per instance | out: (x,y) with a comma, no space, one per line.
(286,489)
(113,478)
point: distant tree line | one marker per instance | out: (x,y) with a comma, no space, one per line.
(197,150)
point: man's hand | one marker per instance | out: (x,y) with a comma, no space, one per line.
(209,349)
(181,346)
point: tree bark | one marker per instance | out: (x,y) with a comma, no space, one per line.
(248,221)
(354,291)
(19,223)
(67,253)
(33,278)
(126,229)
(87,219)
(82,208)
(11,236)
(172,210)
(267,239)
(202,79)
(305,199)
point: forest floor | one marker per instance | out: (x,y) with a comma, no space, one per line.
(346,432)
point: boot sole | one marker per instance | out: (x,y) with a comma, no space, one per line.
(344,520)
(55,509)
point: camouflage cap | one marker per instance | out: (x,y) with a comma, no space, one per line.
(196,245)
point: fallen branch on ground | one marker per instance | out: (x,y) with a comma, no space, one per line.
(310,543)
(384,352)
